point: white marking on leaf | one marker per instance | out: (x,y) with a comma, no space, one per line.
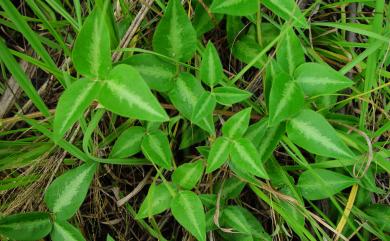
(156,146)
(311,133)
(154,70)
(320,81)
(132,98)
(246,158)
(229,3)
(190,214)
(186,94)
(76,104)
(70,191)
(174,32)
(285,98)
(219,152)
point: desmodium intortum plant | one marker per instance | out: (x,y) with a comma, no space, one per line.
(188,74)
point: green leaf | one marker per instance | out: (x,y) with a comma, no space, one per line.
(188,210)
(109,238)
(91,52)
(204,107)
(312,132)
(231,188)
(156,72)
(202,21)
(191,135)
(246,49)
(237,125)
(156,201)
(64,231)
(270,141)
(188,175)
(211,71)
(380,215)
(128,143)
(174,36)
(319,184)
(72,104)
(255,132)
(26,226)
(208,200)
(288,10)
(218,155)
(272,71)
(155,146)
(230,95)
(290,53)
(320,79)
(234,27)
(286,99)
(245,156)
(68,191)
(243,221)
(235,7)
(126,93)
(184,96)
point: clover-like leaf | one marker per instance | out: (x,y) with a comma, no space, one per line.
(156,201)
(155,146)
(64,231)
(245,156)
(26,226)
(68,191)
(235,7)
(188,174)
(128,143)
(237,125)
(91,53)
(218,155)
(290,54)
(126,93)
(175,36)
(211,71)
(318,184)
(204,107)
(156,72)
(229,95)
(188,210)
(72,104)
(320,79)
(312,132)
(286,99)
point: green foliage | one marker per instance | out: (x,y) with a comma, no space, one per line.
(319,79)
(155,146)
(311,131)
(234,129)
(91,53)
(156,201)
(235,7)
(211,72)
(67,192)
(130,97)
(128,143)
(64,231)
(188,174)
(175,36)
(26,226)
(320,183)
(188,211)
